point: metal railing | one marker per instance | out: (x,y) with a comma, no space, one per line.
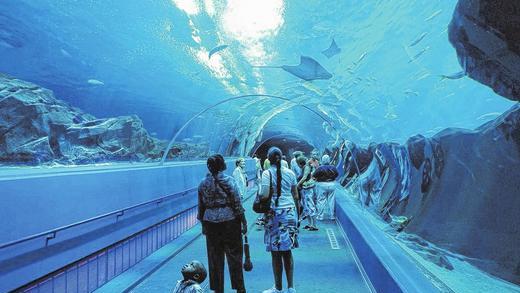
(95,270)
(51,234)
(91,272)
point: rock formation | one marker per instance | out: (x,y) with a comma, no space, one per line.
(486,36)
(37,128)
(458,190)
(462,191)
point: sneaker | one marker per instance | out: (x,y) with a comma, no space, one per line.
(313,229)
(307,227)
(290,290)
(272,290)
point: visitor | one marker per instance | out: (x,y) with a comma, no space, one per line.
(325,177)
(281,229)
(315,159)
(294,165)
(193,273)
(284,162)
(306,185)
(258,169)
(240,176)
(222,216)
(266,164)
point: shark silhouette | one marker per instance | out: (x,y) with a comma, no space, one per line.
(308,69)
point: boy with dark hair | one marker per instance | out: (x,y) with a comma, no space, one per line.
(193,274)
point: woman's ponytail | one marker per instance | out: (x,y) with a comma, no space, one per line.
(278,179)
(275,158)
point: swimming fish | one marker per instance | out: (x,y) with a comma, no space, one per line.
(457,75)
(420,38)
(216,49)
(355,113)
(423,76)
(449,95)
(95,82)
(391,115)
(308,69)
(65,53)
(489,116)
(411,93)
(419,54)
(433,15)
(332,50)
(311,87)
(361,57)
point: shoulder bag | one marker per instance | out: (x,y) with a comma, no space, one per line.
(263,205)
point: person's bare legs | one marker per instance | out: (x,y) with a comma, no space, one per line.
(277,268)
(288,264)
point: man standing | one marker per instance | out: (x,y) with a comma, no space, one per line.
(325,176)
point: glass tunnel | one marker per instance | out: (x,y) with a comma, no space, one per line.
(109,111)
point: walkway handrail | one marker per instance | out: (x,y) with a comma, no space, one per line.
(50,234)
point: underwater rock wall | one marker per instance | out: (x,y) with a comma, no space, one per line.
(459,190)
(472,207)
(486,36)
(37,128)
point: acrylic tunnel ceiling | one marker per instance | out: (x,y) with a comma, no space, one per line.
(371,71)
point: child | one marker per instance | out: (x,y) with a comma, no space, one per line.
(193,273)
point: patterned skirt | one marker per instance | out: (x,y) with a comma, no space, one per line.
(281,229)
(309,201)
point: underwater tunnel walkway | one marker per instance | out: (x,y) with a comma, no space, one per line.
(142,246)
(324,262)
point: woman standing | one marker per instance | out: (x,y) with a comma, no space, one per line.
(222,216)
(281,230)
(308,191)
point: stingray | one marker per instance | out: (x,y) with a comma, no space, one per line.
(216,49)
(332,50)
(308,69)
